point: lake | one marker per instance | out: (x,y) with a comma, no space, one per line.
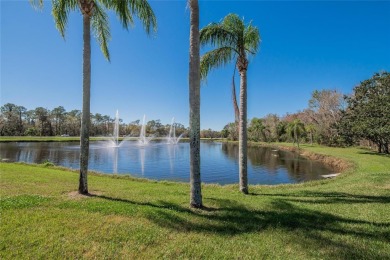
(161,161)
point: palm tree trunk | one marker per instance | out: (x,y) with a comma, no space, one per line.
(85,121)
(242,144)
(194,89)
(235,105)
(234,99)
(296,135)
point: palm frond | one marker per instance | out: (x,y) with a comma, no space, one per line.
(214,59)
(101,29)
(125,9)
(143,10)
(121,8)
(37,4)
(251,39)
(60,11)
(234,24)
(216,34)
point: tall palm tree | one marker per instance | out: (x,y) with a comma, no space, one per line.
(295,129)
(194,92)
(94,14)
(234,41)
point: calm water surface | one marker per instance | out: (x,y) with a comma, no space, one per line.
(160,161)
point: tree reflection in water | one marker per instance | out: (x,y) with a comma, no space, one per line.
(273,162)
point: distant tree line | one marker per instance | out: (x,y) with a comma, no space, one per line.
(317,123)
(18,121)
(331,118)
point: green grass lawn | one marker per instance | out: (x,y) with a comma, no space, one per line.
(343,218)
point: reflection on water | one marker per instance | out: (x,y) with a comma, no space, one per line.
(158,160)
(277,163)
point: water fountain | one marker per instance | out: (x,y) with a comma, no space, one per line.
(172,139)
(143,139)
(115,137)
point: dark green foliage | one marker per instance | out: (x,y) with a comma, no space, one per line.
(230,131)
(47,163)
(368,113)
(257,130)
(17,121)
(11,119)
(30,132)
(281,131)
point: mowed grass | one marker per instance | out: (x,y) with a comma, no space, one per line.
(343,218)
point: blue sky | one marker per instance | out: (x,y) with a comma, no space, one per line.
(305,46)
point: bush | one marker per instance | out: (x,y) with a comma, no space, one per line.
(47,163)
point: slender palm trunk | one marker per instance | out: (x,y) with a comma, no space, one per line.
(194,89)
(242,145)
(85,121)
(235,105)
(234,99)
(296,135)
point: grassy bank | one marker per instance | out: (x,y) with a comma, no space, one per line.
(343,218)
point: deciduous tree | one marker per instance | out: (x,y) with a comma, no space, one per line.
(368,112)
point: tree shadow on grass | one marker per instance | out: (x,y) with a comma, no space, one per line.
(367,152)
(315,197)
(305,227)
(159,204)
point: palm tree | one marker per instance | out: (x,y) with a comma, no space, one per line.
(295,129)
(194,89)
(234,42)
(94,14)
(310,128)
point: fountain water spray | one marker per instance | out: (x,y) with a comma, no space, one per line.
(115,136)
(143,139)
(172,139)
(116,129)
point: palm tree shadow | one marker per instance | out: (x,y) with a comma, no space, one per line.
(314,197)
(229,218)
